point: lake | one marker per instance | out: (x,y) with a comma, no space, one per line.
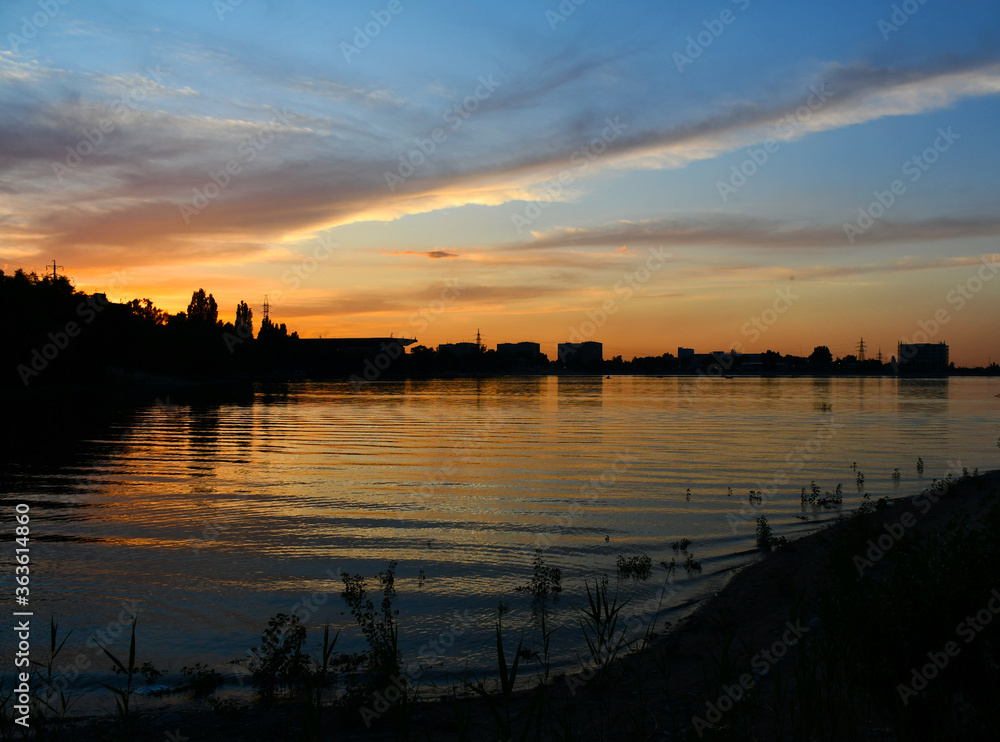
(208,519)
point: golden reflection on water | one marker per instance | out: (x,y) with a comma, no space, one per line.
(218,516)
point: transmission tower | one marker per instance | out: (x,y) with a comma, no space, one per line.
(861,350)
(479,339)
(54,266)
(267,308)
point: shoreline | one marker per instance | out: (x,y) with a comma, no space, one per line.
(771,600)
(139,386)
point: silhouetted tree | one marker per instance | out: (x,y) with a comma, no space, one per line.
(203,308)
(821,354)
(267,329)
(146,310)
(244,320)
(271,331)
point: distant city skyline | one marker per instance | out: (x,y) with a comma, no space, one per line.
(929,332)
(776,175)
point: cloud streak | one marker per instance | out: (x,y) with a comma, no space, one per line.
(434,254)
(753,232)
(121,203)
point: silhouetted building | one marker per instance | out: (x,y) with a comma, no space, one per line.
(114,308)
(685,352)
(335,356)
(459,350)
(519,350)
(922,359)
(581,354)
(357,345)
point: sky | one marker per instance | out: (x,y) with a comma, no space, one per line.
(719,175)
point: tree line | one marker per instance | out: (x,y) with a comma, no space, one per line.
(58,335)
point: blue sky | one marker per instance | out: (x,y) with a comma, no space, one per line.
(559,149)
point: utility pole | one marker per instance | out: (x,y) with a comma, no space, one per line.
(54,266)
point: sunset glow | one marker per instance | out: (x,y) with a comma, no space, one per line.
(647,175)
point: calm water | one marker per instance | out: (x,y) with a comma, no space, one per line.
(213,518)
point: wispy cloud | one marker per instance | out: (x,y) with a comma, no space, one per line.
(321,172)
(429,254)
(747,231)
